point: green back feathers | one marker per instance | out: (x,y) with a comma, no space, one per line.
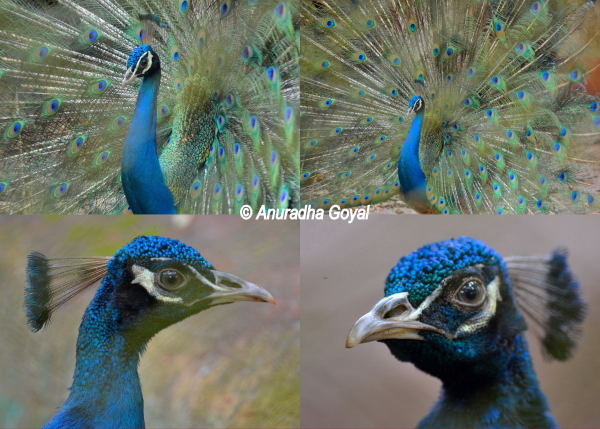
(508,121)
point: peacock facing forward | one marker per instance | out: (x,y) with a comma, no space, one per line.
(461,106)
(159,107)
(455,309)
(148,285)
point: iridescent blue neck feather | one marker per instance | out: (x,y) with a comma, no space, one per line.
(506,395)
(142,178)
(412,178)
(106,390)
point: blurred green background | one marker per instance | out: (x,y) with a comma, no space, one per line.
(233,366)
(343,273)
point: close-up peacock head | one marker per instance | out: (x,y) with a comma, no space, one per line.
(142,61)
(149,284)
(450,308)
(146,286)
(416,104)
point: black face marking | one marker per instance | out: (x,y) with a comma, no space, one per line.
(131,301)
(446,311)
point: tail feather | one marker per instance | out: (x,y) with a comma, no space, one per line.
(64,115)
(508,121)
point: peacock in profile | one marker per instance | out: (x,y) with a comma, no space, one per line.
(463,106)
(152,107)
(148,285)
(457,310)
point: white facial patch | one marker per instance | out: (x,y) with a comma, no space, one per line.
(145,278)
(418,105)
(149,55)
(485,314)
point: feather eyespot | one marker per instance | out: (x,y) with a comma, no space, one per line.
(288,114)
(59,189)
(280,10)
(101,158)
(14,129)
(91,36)
(225,8)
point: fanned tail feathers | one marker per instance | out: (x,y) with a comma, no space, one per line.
(226,127)
(509,125)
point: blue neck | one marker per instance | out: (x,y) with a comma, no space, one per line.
(412,178)
(141,175)
(106,391)
(511,399)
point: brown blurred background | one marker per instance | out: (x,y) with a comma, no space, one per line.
(231,366)
(343,272)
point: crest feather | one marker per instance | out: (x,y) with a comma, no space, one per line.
(53,282)
(549,296)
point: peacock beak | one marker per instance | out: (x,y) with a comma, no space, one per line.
(129,76)
(228,288)
(393,317)
(410,110)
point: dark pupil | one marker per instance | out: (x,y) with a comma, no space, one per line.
(469,292)
(170,278)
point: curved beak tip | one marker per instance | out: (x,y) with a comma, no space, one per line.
(354,338)
(261,295)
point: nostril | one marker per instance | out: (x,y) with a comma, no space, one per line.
(230,284)
(396,311)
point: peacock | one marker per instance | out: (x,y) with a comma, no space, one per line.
(148,285)
(177,106)
(457,106)
(456,309)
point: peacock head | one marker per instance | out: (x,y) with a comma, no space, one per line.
(448,308)
(143,61)
(416,104)
(147,285)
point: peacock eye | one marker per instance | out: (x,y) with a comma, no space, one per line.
(471,293)
(170,279)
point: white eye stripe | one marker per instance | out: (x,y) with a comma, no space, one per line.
(418,104)
(147,55)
